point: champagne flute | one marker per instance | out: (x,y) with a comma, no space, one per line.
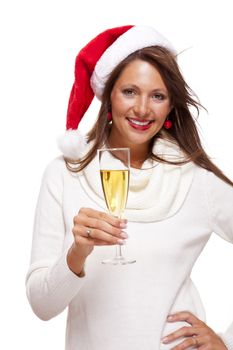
(114,172)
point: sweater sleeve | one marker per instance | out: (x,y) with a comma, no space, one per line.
(50,284)
(220,200)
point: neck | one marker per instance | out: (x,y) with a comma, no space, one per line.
(138,153)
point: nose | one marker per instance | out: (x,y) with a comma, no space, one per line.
(141,107)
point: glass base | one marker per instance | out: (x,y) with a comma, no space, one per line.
(118,261)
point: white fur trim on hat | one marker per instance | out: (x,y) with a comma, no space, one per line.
(72,144)
(134,39)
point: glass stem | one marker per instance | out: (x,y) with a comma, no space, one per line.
(118,246)
(118,252)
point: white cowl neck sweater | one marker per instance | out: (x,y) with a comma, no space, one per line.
(172,212)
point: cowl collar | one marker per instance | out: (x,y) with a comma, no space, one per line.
(157,190)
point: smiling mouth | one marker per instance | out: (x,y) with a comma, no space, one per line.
(140,122)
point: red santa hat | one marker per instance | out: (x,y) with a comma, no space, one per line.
(93,65)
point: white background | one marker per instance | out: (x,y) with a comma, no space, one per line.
(39,42)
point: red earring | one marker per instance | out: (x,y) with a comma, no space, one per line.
(109,117)
(167,124)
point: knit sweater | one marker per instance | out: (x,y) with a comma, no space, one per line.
(172,212)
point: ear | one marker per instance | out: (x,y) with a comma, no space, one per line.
(171,108)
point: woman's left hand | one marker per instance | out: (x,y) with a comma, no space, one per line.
(198,335)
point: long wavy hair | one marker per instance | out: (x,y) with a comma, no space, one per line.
(184,130)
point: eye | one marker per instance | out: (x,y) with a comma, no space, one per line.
(159,97)
(128,92)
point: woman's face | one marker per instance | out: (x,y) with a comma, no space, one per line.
(140,104)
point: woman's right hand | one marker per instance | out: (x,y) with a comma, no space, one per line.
(104,229)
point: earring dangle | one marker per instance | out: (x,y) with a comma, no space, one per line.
(109,117)
(167,124)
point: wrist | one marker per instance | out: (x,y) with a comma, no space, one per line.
(75,262)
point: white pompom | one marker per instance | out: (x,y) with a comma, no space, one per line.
(72,144)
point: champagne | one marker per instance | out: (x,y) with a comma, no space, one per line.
(114,172)
(115,185)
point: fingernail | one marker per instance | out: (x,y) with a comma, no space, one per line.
(170,317)
(121,241)
(165,339)
(123,225)
(124,234)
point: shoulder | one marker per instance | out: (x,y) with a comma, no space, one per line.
(55,171)
(55,166)
(217,186)
(214,186)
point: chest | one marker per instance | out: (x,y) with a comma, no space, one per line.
(176,239)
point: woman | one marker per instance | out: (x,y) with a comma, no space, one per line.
(177,198)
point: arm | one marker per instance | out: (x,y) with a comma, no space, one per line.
(50,283)
(220,201)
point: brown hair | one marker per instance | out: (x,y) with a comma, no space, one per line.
(183,132)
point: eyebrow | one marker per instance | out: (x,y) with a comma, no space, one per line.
(136,87)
